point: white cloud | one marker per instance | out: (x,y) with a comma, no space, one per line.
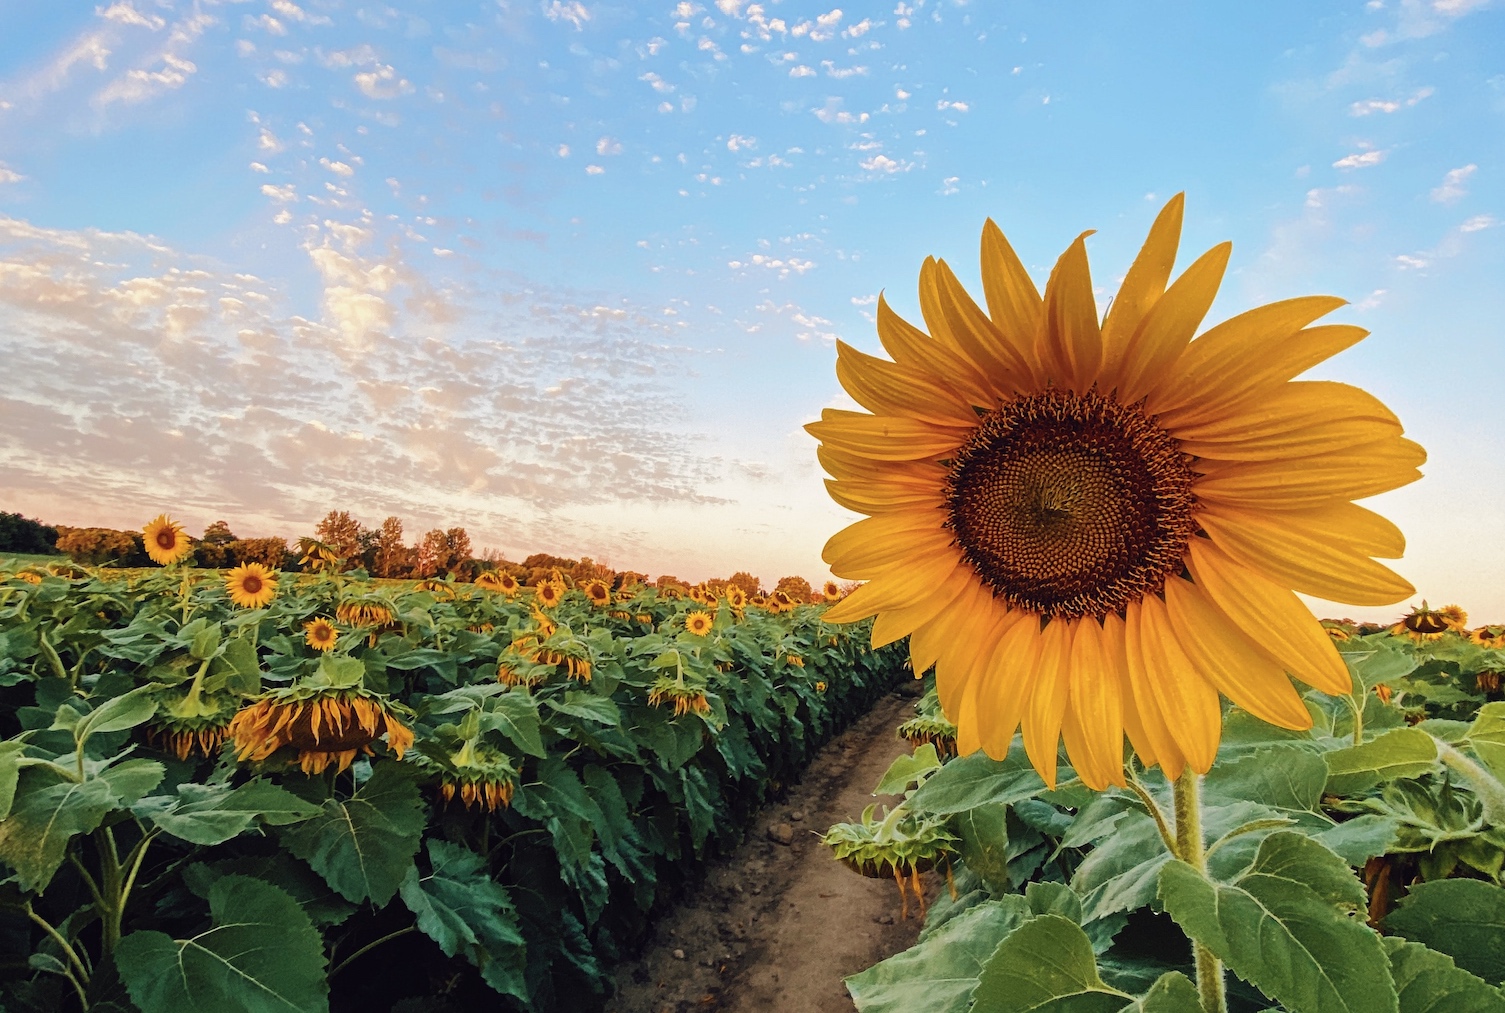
(1375,105)
(563,151)
(338,168)
(801,71)
(782,266)
(274,78)
(860,28)
(382,83)
(572,11)
(842,72)
(1360,160)
(285,194)
(945,104)
(9,175)
(1478,223)
(1411,263)
(737,142)
(832,112)
(125,14)
(949,187)
(1454,185)
(884,164)
(608,146)
(258,167)
(594,170)
(658,83)
(269,142)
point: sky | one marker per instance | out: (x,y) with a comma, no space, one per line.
(570,273)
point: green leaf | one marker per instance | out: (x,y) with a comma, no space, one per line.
(984,843)
(1487,736)
(1405,752)
(459,906)
(1384,662)
(1121,872)
(118,713)
(587,706)
(47,813)
(515,715)
(1286,778)
(1359,839)
(1280,925)
(213,814)
(205,642)
(236,670)
(364,846)
(10,772)
(1046,964)
(1464,918)
(1053,899)
(977,780)
(261,955)
(1429,982)
(908,768)
(938,974)
(1173,992)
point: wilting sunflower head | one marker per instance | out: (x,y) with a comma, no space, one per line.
(436,587)
(251,585)
(328,718)
(318,556)
(366,610)
(1489,636)
(1455,617)
(29,575)
(699,623)
(165,541)
(320,634)
(491,580)
(190,721)
(1093,527)
(685,695)
(1423,625)
(549,593)
(779,601)
(477,773)
(597,592)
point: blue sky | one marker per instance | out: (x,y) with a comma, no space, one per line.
(571,273)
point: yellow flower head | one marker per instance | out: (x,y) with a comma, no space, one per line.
(320,634)
(325,726)
(736,597)
(1489,636)
(597,592)
(1094,528)
(251,585)
(831,591)
(549,593)
(1455,617)
(699,623)
(165,540)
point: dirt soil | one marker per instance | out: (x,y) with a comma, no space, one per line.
(775,926)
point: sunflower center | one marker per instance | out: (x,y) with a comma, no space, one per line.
(1071,504)
(250,584)
(166,538)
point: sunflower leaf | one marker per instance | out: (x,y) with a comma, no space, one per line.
(1429,982)
(977,780)
(213,814)
(1405,752)
(262,955)
(1046,963)
(363,846)
(48,811)
(1173,992)
(1487,736)
(1463,918)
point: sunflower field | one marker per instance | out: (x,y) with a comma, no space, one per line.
(1355,866)
(236,791)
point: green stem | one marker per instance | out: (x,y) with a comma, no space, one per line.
(57,937)
(1356,704)
(110,887)
(1191,849)
(369,947)
(1155,812)
(1487,788)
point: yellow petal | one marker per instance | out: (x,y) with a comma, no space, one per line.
(930,642)
(879,498)
(969,327)
(1095,741)
(887,388)
(1144,283)
(910,346)
(1188,702)
(842,464)
(1270,615)
(895,589)
(1014,304)
(1236,665)
(1359,472)
(1347,524)
(1256,349)
(884,437)
(1308,564)
(1297,419)
(1115,657)
(863,549)
(956,682)
(1005,690)
(1141,702)
(896,624)
(1048,699)
(1071,345)
(1166,330)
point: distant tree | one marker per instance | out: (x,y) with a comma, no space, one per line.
(630,578)
(269,552)
(747,582)
(93,546)
(458,542)
(218,533)
(21,534)
(433,554)
(342,533)
(392,558)
(797,588)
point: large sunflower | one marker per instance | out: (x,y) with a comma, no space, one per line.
(251,585)
(1094,529)
(165,541)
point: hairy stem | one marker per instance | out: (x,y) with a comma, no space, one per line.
(57,937)
(1191,849)
(1155,812)
(369,947)
(1487,788)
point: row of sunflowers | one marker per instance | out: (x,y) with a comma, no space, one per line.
(1373,841)
(234,790)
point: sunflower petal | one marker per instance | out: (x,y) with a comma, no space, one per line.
(873,544)
(1014,303)
(1071,345)
(880,498)
(1359,472)
(1270,615)
(1311,565)
(1232,662)
(1297,419)
(1115,657)
(888,388)
(955,682)
(1188,702)
(894,589)
(884,437)
(910,346)
(1144,284)
(954,628)
(1142,707)
(843,464)
(971,329)
(1166,330)
(1095,715)
(896,624)
(1048,700)
(1005,691)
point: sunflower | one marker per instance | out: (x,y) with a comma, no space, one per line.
(1455,617)
(165,541)
(491,580)
(365,611)
(686,696)
(758,600)
(736,598)
(831,591)
(1422,625)
(820,687)
(320,634)
(1095,529)
(324,723)
(478,774)
(597,592)
(435,586)
(30,576)
(779,601)
(191,721)
(251,585)
(698,623)
(1489,636)
(549,593)
(318,556)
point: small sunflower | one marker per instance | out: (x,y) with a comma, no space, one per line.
(29,575)
(671,591)
(1422,625)
(820,687)
(436,587)
(490,580)
(699,623)
(365,611)
(779,601)
(794,660)
(549,593)
(318,556)
(1489,636)
(320,634)
(165,541)
(736,598)
(1094,527)
(324,723)
(251,585)
(597,592)
(758,600)
(1455,617)
(831,591)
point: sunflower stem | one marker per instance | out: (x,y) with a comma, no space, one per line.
(1356,704)
(1487,788)
(1192,850)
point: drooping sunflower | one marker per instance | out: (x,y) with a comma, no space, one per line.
(1422,625)
(1455,617)
(1094,528)
(779,601)
(437,587)
(699,623)
(1489,636)
(251,585)
(320,634)
(597,592)
(324,723)
(166,543)
(687,695)
(491,580)
(318,556)
(190,721)
(366,610)
(549,593)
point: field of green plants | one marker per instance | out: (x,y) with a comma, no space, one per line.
(361,791)
(1353,868)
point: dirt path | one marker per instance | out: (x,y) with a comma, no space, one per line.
(775,926)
